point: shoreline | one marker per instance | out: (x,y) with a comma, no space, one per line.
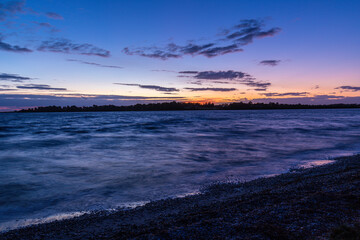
(306,203)
(185,110)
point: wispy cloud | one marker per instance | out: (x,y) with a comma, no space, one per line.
(46,25)
(231,40)
(211,89)
(43,24)
(12,48)
(66,46)
(163,70)
(230,77)
(7,89)
(10,8)
(217,75)
(54,15)
(154,53)
(188,72)
(154,87)
(287,94)
(113,97)
(94,64)
(349,88)
(40,87)
(271,63)
(12,77)
(318,99)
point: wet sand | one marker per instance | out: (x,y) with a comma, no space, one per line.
(317,203)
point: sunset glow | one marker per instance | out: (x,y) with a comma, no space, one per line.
(121,52)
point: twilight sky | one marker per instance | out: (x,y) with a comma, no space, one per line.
(66,52)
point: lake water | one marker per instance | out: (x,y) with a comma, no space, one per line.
(58,164)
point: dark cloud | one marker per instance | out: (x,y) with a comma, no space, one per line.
(40,87)
(259,85)
(193,48)
(292,94)
(7,89)
(154,87)
(46,25)
(271,63)
(9,8)
(211,89)
(248,30)
(216,51)
(12,48)
(349,88)
(154,54)
(43,24)
(66,46)
(260,89)
(231,77)
(235,37)
(13,77)
(54,16)
(188,72)
(94,64)
(212,75)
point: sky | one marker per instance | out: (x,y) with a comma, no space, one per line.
(65,52)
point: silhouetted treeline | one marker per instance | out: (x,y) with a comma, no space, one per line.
(177,106)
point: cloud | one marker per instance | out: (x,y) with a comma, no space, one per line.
(114,97)
(212,75)
(154,87)
(163,70)
(260,89)
(318,99)
(155,54)
(293,94)
(40,87)
(232,40)
(46,25)
(259,85)
(12,77)
(9,8)
(188,72)
(216,51)
(94,64)
(271,63)
(7,89)
(349,88)
(12,48)
(248,30)
(54,16)
(66,46)
(231,77)
(18,101)
(211,89)
(43,24)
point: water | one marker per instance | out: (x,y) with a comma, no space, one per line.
(65,163)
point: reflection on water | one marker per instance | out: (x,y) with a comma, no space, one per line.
(55,163)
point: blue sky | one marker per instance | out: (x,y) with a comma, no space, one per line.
(124,52)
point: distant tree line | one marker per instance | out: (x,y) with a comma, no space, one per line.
(178,106)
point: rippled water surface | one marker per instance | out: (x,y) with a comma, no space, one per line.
(58,163)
